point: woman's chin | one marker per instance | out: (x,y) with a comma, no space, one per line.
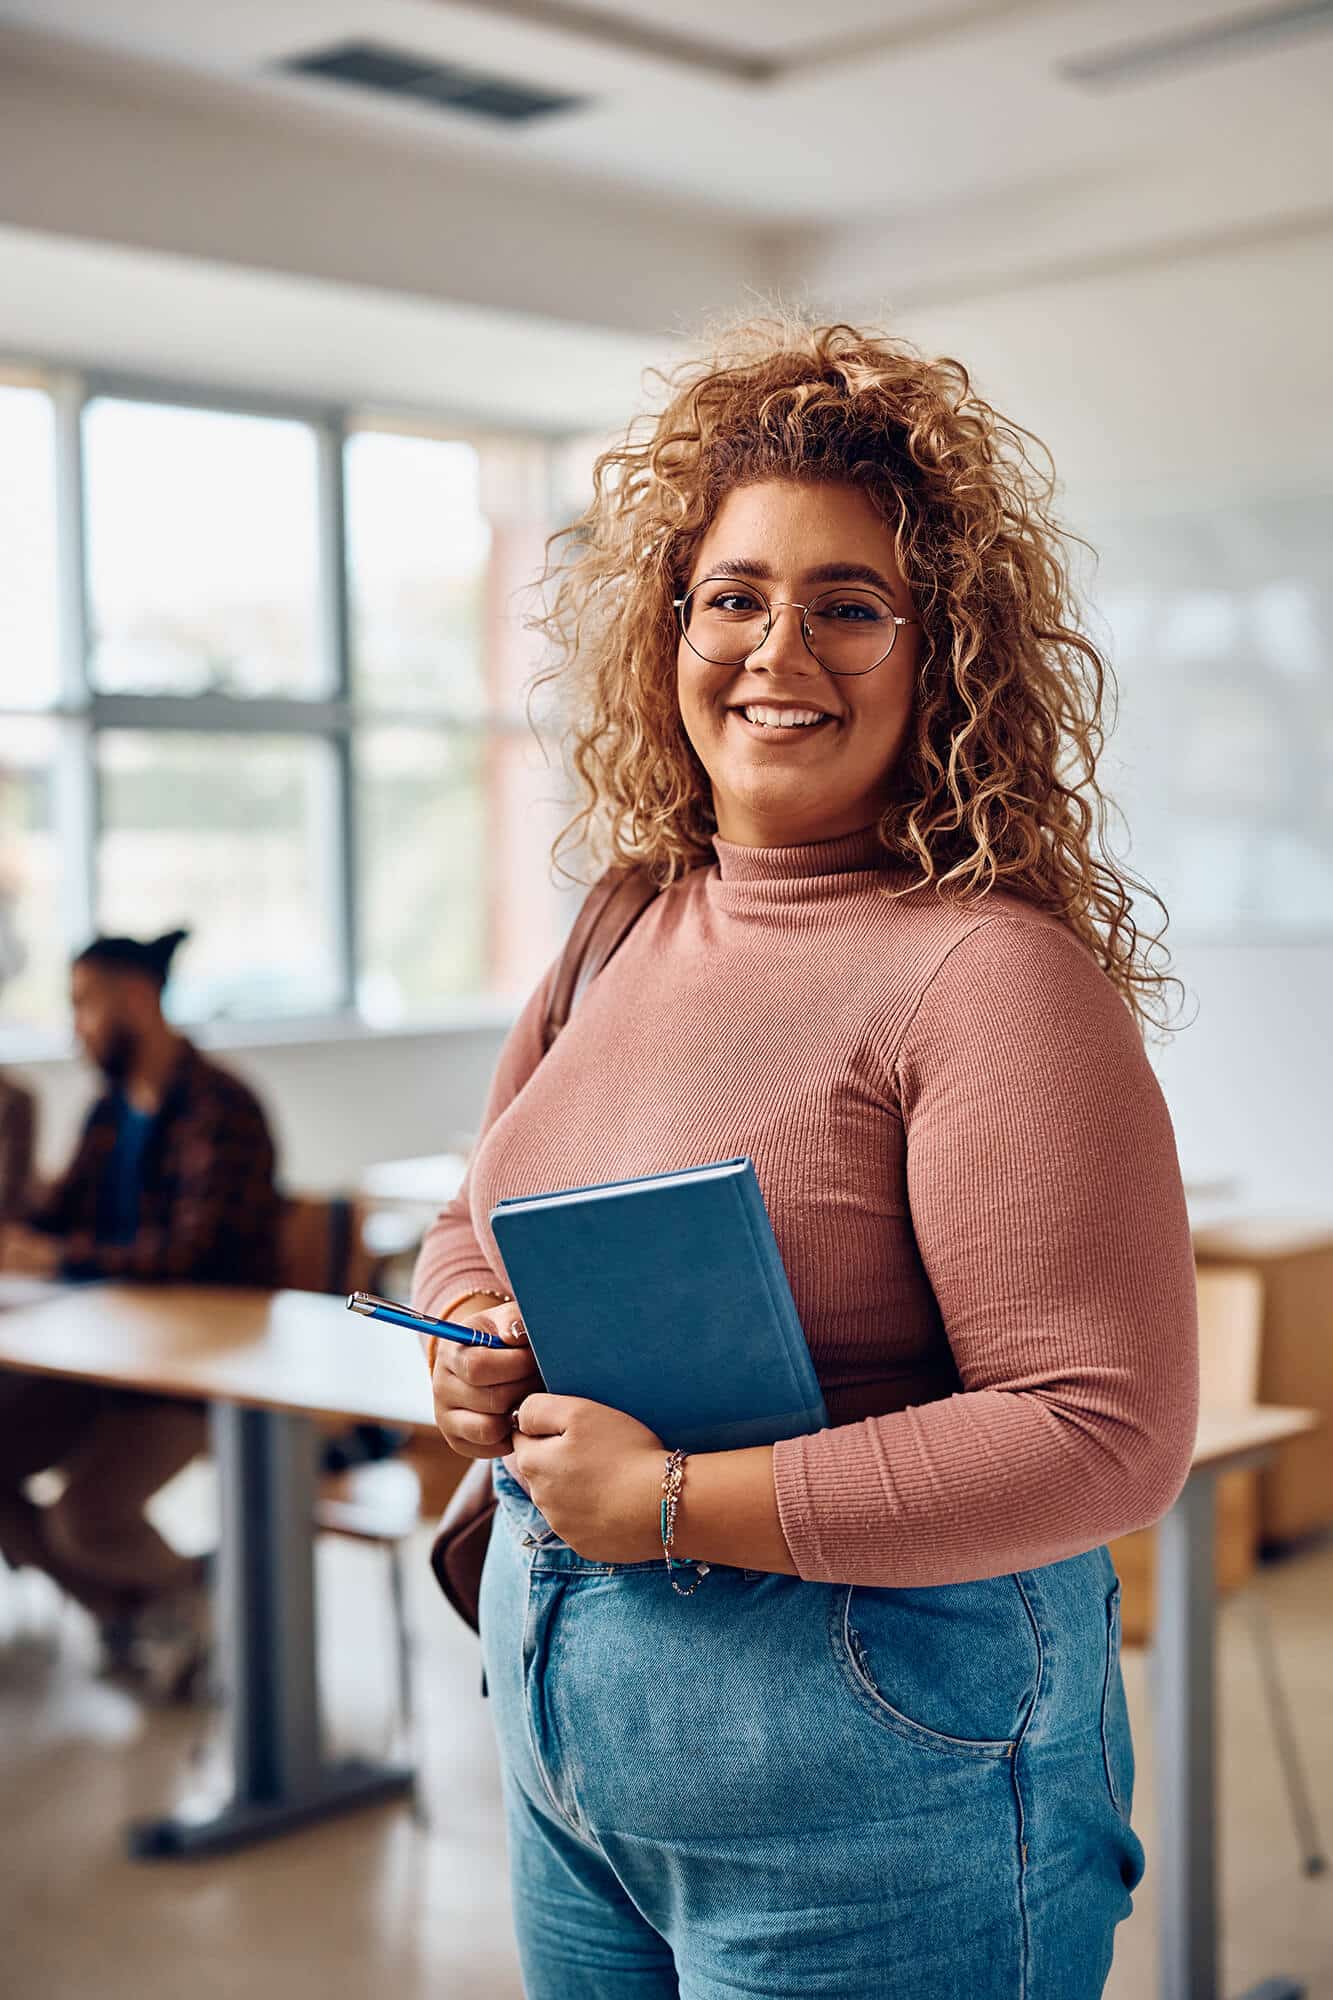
(776,815)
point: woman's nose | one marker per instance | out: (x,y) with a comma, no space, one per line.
(784,643)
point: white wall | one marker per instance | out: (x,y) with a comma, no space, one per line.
(1203,380)
(334,1105)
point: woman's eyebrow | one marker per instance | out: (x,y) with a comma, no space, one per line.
(739,566)
(839,572)
(831,572)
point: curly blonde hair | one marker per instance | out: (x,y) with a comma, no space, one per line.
(996,783)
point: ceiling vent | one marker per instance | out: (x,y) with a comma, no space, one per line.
(448,86)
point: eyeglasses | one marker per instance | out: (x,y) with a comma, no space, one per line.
(848,628)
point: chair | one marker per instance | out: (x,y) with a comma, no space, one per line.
(1294,1259)
(379,1504)
(1231,1310)
(321,1245)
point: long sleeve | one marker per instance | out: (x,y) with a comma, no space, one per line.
(52,1207)
(18,1136)
(222,1226)
(1048,1214)
(451,1261)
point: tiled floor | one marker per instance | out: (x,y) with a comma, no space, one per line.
(377,1904)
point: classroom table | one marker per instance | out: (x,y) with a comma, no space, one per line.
(1184,1702)
(267,1364)
(401,1198)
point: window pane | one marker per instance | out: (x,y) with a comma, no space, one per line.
(29,641)
(421,825)
(455,890)
(203,552)
(234,837)
(532,908)
(34,970)
(417,548)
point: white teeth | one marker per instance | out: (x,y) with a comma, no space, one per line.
(783,718)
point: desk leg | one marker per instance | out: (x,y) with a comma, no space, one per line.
(1184,1752)
(266,1620)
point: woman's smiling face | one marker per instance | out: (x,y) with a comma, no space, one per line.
(778,785)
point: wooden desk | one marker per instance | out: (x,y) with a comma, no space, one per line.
(268,1364)
(1184,1701)
(16,1289)
(301,1353)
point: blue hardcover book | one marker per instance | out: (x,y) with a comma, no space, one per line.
(666,1297)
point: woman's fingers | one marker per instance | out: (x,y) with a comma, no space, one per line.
(494,1389)
(498,1400)
(481,1367)
(474,1436)
(475,1388)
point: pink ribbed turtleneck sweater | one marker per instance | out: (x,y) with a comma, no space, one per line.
(969,1168)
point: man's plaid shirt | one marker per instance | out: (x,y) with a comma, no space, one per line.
(208,1207)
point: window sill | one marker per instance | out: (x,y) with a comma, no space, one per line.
(32,1049)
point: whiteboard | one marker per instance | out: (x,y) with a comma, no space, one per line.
(1219,625)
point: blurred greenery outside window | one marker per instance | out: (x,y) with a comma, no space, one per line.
(268,683)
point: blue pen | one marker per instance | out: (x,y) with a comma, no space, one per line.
(440,1329)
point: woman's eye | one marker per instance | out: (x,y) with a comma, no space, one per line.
(736,601)
(853,611)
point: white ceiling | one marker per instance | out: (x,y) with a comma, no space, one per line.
(875,157)
(877,108)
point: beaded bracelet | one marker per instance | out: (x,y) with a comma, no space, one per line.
(673,1478)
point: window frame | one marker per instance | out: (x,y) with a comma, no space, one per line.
(82,712)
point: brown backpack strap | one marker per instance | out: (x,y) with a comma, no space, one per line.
(610,910)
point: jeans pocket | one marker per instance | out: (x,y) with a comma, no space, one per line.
(953,1667)
(517,1512)
(1117,1741)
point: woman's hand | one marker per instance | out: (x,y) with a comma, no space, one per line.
(476,1388)
(596,1475)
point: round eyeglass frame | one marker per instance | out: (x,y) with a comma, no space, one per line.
(790,604)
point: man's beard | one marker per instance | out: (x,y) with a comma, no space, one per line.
(117,1058)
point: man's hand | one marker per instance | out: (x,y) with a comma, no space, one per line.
(596,1475)
(28,1251)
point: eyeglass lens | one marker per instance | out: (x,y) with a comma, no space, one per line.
(848,628)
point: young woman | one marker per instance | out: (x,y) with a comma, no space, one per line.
(817,636)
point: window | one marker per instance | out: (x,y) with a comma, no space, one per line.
(232,837)
(262,676)
(417,548)
(452,832)
(29,638)
(203,552)
(32,957)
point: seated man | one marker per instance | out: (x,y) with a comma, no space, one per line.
(172,1180)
